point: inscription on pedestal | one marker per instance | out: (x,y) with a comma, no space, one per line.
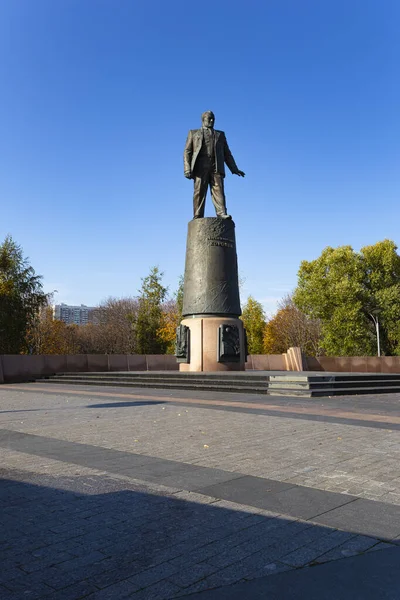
(228,343)
(182,344)
(220,242)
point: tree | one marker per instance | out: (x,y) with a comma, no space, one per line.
(343,287)
(171,318)
(111,331)
(253,318)
(291,327)
(21,297)
(382,265)
(47,335)
(179,297)
(169,322)
(149,317)
(114,324)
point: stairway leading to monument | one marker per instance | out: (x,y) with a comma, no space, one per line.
(221,382)
(225,382)
(334,384)
(306,385)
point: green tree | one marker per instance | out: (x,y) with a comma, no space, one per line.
(383,280)
(21,297)
(343,287)
(149,316)
(253,318)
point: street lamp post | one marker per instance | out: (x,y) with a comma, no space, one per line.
(375,319)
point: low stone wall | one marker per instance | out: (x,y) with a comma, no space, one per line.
(355,364)
(266,362)
(20,367)
(293,360)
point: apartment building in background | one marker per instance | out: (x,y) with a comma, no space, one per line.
(80,315)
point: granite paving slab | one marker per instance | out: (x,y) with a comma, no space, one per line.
(359,578)
(367,517)
(288,499)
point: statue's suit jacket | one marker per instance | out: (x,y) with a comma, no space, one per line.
(222,153)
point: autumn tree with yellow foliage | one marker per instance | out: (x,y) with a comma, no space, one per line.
(290,327)
(171,318)
(47,335)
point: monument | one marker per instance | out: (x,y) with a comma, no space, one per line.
(211,336)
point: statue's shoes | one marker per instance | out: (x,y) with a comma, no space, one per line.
(225,216)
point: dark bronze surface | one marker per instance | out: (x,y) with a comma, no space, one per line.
(211,275)
(204,158)
(182,344)
(229,343)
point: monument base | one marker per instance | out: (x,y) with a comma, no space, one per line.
(209,345)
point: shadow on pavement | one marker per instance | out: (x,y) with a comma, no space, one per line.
(371,576)
(99,537)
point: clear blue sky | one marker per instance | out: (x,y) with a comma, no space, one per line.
(96,100)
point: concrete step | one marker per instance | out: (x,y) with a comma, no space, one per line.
(239,382)
(361,376)
(301,385)
(333,391)
(165,375)
(208,387)
(335,377)
(333,384)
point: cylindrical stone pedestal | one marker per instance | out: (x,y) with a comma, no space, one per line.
(203,345)
(215,338)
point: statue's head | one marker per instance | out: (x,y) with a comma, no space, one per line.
(208,119)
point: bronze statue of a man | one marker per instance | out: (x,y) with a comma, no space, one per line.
(205,153)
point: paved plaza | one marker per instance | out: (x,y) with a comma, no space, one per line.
(111,493)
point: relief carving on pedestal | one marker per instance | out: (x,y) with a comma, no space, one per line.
(182,344)
(228,343)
